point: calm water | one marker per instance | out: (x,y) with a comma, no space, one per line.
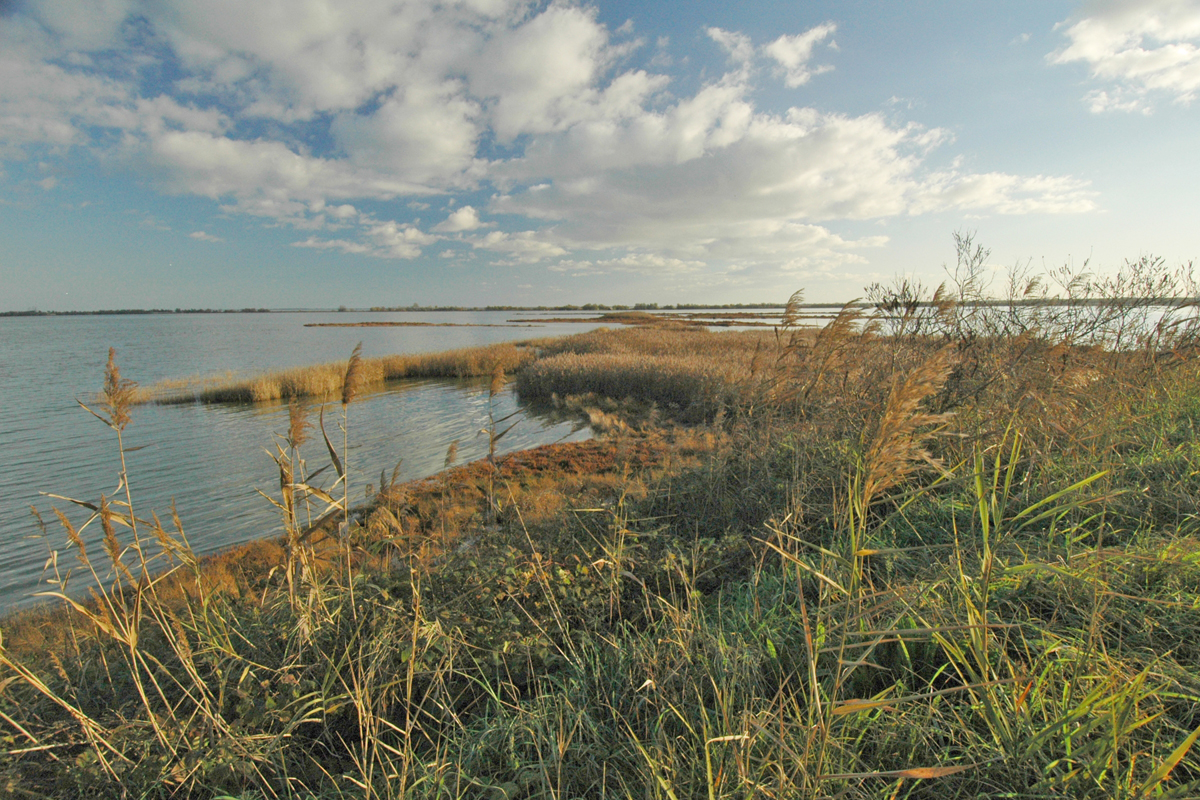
(211,459)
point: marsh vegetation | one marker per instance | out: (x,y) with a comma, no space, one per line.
(936,548)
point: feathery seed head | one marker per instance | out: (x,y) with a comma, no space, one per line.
(791,312)
(298,424)
(73,536)
(898,448)
(497,380)
(353,380)
(111,545)
(118,393)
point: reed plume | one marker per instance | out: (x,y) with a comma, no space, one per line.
(451,454)
(73,537)
(898,449)
(353,380)
(791,312)
(498,380)
(118,393)
(298,424)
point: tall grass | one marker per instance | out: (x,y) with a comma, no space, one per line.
(907,557)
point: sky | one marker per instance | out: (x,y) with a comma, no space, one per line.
(317,153)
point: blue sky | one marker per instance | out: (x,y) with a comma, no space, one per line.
(315,153)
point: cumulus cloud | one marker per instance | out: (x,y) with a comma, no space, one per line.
(343,120)
(397,240)
(205,237)
(731,181)
(463,219)
(1139,49)
(533,74)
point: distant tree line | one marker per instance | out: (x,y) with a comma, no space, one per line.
(33,312)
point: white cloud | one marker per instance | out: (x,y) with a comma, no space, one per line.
(794,52)
(721,179)
(526,247)
(343,212)
(635,263)
(463,219)
(396,240)
(344,245)
(150,221)
(1138,48)
(426,135)
(1003,194)
(42,103)
(332,116)
(379,239)
(205,237)
(737,45)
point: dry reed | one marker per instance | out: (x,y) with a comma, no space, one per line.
(353,379)
(326,381)
(898,448)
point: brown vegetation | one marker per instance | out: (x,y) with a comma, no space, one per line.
(325,380)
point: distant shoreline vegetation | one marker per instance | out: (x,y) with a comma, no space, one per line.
(33,312)
(1047,302)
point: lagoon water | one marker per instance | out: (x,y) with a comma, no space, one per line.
(211,460)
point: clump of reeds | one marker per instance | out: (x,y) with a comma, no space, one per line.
(326,381)
(694,386)
(294,491)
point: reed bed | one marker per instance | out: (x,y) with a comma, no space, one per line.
(325,380)
(691,387)
(690,374)
(919,553)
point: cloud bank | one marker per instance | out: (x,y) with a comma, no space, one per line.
(347,120)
